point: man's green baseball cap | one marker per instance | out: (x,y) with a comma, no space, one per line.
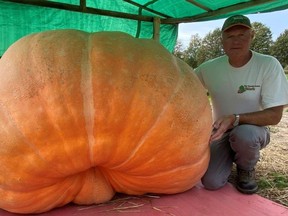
(236,20)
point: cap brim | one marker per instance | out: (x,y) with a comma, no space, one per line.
(238,24)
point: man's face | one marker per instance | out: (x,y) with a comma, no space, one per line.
(237,40)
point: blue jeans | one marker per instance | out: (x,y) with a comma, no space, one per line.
(240,145)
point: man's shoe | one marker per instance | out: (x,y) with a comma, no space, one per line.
(246,182)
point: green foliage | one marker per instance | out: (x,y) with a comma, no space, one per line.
(190,54)
(178,50)
(211,46)
(280,48)
(200,50)
(274,180)
(263,38)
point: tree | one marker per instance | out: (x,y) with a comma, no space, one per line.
(263,38)
(280,48)
(200,50)
(211,46)
(178,50)
(190,54)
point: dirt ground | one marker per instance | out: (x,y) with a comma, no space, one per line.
(272,169)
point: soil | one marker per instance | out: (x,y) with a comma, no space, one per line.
(272,168)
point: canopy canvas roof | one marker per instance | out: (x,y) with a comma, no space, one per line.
(153,19)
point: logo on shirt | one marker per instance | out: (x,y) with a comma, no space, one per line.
(244,88)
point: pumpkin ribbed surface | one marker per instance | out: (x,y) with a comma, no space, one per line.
(85,115)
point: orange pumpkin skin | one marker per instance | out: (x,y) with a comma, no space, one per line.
(85,115)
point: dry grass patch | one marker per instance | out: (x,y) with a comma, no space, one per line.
(272,169)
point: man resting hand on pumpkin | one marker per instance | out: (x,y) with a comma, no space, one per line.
(248,92)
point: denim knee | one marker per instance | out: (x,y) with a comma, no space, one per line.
(246,141)
(248,136)
(213,183)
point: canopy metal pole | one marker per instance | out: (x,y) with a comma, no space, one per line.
(156,28)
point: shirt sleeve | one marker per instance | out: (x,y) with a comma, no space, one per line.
(274,90)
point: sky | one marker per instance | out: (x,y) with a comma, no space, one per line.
(276,21)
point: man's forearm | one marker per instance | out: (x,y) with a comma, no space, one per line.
(270,116)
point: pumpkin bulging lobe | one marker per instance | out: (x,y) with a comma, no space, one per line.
(89,115)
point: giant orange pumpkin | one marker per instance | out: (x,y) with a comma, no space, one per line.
(84,115)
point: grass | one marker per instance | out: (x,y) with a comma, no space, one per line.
(272,169)
(273,180)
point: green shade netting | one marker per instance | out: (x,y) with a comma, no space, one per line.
(18,20)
